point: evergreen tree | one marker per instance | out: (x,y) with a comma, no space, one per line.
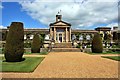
(115,36)
(97,46)
(35,47)
(14,47)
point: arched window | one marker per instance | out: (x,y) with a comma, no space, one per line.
(47,37)
(81,37)
(73,37)
(31,36)
(88,37)
(25,37)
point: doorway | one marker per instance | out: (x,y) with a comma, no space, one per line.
(60,37)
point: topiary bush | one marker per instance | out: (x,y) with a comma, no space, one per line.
(97,46)
(35,47)
(115,36)
(14,47)
(27,45)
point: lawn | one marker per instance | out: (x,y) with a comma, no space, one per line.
(117,58)
(105,53)
(41,53)
(28,65)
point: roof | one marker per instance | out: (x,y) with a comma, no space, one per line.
(84,31)
(103,28)
(36,29)
(53,24)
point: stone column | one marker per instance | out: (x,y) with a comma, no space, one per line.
(66,35)
(70,33)
(55,34)
(51,33)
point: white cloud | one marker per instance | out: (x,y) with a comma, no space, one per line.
(1,6)
(80,13)
(112,25)
(1,27)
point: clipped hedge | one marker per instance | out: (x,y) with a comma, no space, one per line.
(97,46)
(14,47)
(35,47)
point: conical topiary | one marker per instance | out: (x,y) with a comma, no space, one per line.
(35,47)
(14,47)
(97,46)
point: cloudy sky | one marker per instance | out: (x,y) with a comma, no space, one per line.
(82,14)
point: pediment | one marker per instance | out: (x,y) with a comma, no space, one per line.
(60,23)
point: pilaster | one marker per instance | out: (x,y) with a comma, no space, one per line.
(70,34)
(55,34)
(66,35)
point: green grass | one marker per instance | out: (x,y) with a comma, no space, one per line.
(28,65)
(105,53)
(27,53)
(41,53)
(117,58)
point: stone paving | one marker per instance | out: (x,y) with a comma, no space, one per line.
(71,65)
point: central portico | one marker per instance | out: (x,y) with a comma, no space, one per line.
(60,31)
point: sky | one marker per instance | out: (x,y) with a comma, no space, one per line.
(82,14)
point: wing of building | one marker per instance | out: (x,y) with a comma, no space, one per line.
(62,32)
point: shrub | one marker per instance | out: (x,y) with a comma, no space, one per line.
(35,47)
(27,45)
(115,36)
(78,46)
(14,47)
(97,46)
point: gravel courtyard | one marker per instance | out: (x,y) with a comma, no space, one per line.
(71,65)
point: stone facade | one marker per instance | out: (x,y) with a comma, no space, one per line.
(61,32)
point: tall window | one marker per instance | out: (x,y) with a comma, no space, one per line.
(88,37)
(73,37)
(52,28)
(81,37)
(68,29)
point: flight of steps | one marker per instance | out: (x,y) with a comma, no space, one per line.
(63,45)
(65,50)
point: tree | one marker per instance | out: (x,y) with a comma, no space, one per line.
(97,46)
(107,36)
(14,47)
(35,47)
(118,39)
(115,36)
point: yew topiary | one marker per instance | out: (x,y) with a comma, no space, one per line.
(35,47)
(97,46)
(14,47)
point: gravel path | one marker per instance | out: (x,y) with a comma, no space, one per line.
(71,65)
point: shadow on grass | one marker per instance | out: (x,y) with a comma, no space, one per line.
(23,59)
(29,64)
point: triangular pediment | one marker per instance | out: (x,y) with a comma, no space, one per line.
(60,23)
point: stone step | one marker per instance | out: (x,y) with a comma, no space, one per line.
(65,50)
(63,45)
